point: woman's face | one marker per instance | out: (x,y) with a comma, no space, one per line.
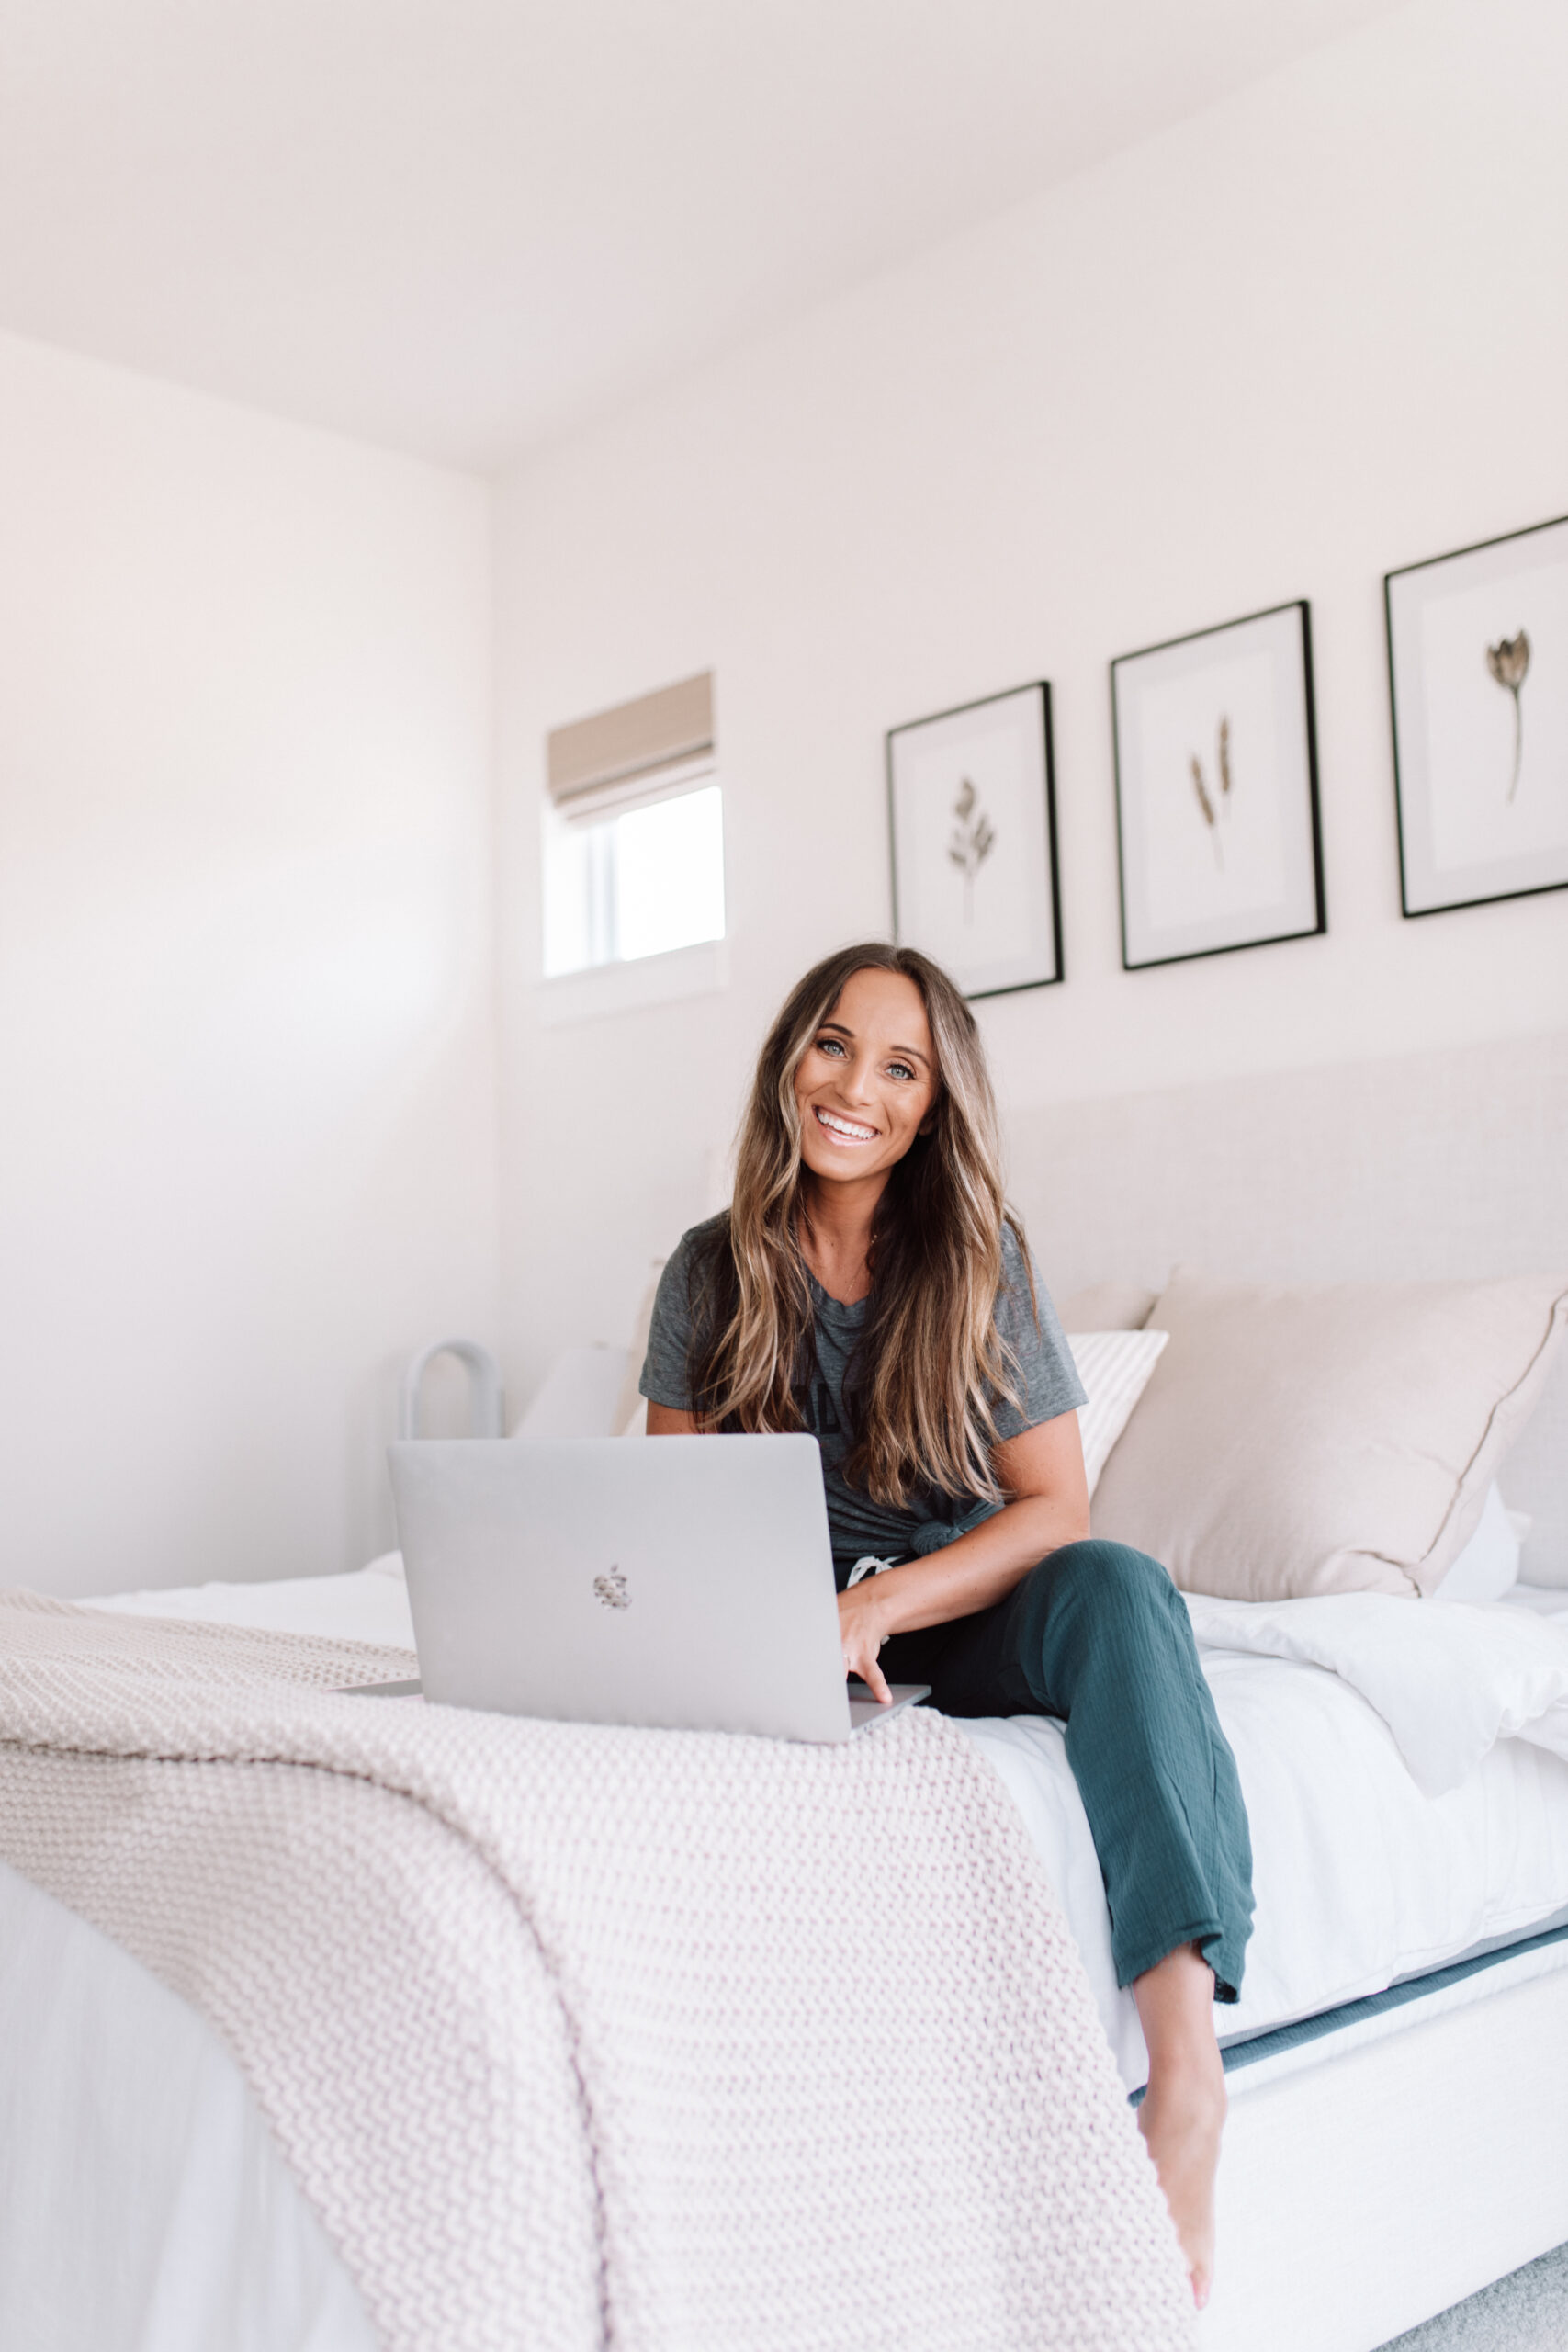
(867,1083)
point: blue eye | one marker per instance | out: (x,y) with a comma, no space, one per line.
(900,1070)
(829,1045)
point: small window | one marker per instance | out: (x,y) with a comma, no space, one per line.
(640,882)
(634,833)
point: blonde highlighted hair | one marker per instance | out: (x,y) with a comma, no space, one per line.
(931,1364)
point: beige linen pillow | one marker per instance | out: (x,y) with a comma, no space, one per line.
(1332,1438)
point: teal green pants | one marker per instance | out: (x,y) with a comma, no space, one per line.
(1098,1636)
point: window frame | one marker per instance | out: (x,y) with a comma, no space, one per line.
(617,982)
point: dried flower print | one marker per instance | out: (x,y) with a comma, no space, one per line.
(1509,661)
(974,838)
(1217,803)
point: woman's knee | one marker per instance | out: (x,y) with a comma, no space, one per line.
(1104,1574)
(1096,1598)
(1100,1616)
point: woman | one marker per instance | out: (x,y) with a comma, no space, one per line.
(868,1283)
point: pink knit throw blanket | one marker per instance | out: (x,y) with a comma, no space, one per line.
(582,2037)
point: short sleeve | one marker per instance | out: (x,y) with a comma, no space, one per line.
(666,1377)
(1047,1377)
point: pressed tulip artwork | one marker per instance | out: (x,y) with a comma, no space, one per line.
(1478,678)
(1509,661)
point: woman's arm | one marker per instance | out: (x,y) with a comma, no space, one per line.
(1043,1472)
(665,1420)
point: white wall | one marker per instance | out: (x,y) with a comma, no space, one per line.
(247,1158)
(1319,331)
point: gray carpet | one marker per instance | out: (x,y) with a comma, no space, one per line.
(1527,2311)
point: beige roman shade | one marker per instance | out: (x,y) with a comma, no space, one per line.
(635,746)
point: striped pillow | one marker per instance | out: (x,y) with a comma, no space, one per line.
(1114,1367)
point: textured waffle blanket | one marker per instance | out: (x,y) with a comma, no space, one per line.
(579,2037)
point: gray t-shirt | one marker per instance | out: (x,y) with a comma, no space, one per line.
(1046,1378)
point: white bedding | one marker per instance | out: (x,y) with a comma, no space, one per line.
(426,1929)
(146,2206)
(1361,1879)
(1393,1756)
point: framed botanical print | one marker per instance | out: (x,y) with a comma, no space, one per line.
(972,807)
(1478,681)
(1216,790)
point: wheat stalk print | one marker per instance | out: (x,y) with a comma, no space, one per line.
(974,838)
(1215,805)
(1509,661)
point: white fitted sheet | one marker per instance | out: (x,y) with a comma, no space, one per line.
(1360,1878)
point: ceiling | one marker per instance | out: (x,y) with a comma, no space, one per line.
(460,227)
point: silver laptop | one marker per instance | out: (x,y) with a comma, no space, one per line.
(680,1582)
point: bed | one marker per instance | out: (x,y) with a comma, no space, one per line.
(1408,1961)
(1394,2141)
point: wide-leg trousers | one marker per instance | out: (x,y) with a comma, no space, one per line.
(1098,1636)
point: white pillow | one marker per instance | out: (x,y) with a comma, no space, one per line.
(579,1396)
(631,1406)
(1489,1565)
(1114,1367)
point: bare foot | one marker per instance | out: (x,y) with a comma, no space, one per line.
(1181,2117)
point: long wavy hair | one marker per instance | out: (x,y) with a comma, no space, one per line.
(929,1365)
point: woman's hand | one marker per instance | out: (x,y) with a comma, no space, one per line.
(863,1630)
(1042,1474)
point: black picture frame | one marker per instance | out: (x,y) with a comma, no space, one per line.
(1471,571)
(1301,908)
(1023,924)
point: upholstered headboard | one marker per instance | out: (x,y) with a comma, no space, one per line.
(1438,1164)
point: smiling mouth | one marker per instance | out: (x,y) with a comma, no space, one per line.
(843,1130)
